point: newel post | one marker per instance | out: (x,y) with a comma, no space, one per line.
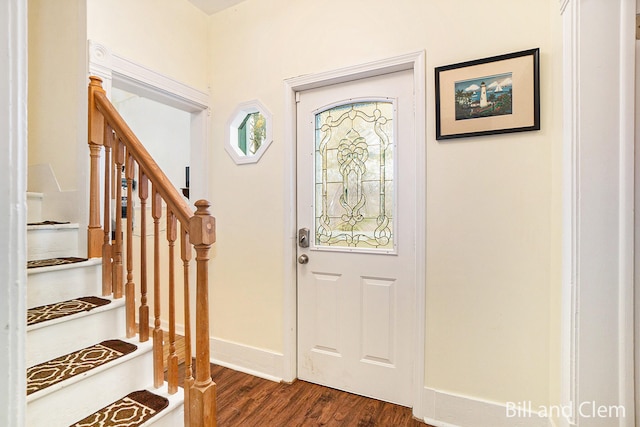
(95,234)
(202,396)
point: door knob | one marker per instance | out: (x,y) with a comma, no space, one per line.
(303,259)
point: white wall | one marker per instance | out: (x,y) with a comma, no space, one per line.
(165,132)
(493,203)
(167,36)
(13,185)
(57,87)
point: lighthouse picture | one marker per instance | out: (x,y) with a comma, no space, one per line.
(484,96)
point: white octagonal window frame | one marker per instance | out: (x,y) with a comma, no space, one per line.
(236,120)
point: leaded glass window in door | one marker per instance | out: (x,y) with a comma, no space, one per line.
(354,172)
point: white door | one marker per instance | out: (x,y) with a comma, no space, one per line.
(356,194)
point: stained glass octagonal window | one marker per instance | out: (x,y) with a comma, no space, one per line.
(249,131)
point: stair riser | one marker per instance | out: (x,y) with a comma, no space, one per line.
(48,287)
(173,417)
(75,401)
(48,342)
(34,207)
(52,242)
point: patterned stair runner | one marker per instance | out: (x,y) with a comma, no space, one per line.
(59,369)
(53,261)
(132,410)
(62,309)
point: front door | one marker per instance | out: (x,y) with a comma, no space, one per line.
(356,194)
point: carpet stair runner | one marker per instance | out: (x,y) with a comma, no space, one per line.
(50,262)
(64,367)
(76,361)
(65,308)
(133,410)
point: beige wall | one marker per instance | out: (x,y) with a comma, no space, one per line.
(493,203)
(57,85)
(167,36)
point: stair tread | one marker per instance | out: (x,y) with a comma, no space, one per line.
(53,262)
(66,224)
(79,264)
(132,410)
(47,374)
(60,309)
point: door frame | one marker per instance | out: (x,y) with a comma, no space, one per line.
(124,74)
(598,236)
(414,61)
(13,293)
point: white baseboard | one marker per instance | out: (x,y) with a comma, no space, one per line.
(250,360)
(448,410)
(239,357)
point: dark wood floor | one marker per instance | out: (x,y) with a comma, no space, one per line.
(248,401)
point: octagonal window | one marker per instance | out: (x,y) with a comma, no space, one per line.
(248,132)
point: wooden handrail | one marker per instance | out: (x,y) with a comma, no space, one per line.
(123,149)
(164,186)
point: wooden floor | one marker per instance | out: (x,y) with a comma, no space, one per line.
(247,401)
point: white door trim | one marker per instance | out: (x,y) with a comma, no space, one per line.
(598,201)
(413,61)
(13,208)
(138,79)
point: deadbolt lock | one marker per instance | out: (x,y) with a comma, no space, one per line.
(303,237)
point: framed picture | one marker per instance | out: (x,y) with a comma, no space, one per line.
(488,96)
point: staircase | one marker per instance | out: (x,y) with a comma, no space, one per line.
(102,373)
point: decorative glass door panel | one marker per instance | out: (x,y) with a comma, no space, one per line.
(354,177)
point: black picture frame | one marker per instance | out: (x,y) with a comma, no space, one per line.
(495,95)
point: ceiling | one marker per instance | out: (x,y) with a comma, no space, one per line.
(212,6)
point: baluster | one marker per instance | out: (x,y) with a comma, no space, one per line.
(158,368)
(96,135)
(130,288)
(202,230)
(172,359)
(117,259)
(185,250)
(107,264)
(143,311)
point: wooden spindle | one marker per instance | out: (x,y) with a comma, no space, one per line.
(143,311)
(117,258)
(130,288)
(172,359)
(107,128)
(96,135)
(158,366)
(185,252)
(202,395)
(107,264)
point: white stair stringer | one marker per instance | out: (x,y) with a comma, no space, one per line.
(75,398)
(172,415)
(53,338)
(48,285)
(46,241)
